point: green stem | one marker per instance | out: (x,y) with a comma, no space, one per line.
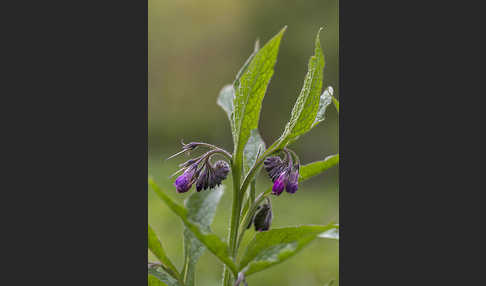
(251,211)
(235,218)
(252,172)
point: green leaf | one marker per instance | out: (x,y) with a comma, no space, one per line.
(254,147)
(271,247)
(315,168)
(249,93)
(227,94)
(225,100)
(246,64)
(201,208)
(158,277)
(215,245)
(331,234)
(156,248)
(324,102)
(336,103)
(306,107)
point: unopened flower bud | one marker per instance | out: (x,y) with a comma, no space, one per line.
(184,182)
(202,180)
(221,170)
(263,218)
(274,167)
(280,183)
(293,183)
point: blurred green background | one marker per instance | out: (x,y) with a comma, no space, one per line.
(195,48)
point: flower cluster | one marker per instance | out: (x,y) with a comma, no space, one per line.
(284,174)
(206,176)
(212,176)
(200,170)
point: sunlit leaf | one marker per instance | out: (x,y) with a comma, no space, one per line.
(324,101)
(249,94)
(271,247)
(331,234)
(306,107)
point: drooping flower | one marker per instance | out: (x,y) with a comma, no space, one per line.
(280,183)
(293,182)
(184,182)
(212,176)
(221,170)
(202,180)
(274,167)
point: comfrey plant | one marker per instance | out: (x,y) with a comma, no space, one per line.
(242,102)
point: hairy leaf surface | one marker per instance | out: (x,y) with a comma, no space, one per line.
(306,107)
(325,100)
(276,245)
(158,277)
(250,91)
(254,147)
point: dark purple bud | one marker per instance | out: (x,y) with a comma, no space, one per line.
(253,218)
(272,162)
(280,183)
(293,183)
(263,218)
(202,180)
(274,167)
(212,181)
(184,182)
(221,170)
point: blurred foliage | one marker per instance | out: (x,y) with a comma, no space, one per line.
(195,48)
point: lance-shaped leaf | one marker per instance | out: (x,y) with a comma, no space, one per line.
(315,168)
(306,107)
(215,245)
(250,91)
(201,207)
(158,277)
(156,248)
(331,234)
(271,247)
